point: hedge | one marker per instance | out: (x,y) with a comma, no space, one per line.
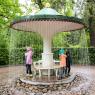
(16,56)
(4,56)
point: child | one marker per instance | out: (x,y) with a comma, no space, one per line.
(28,60)
(62,58)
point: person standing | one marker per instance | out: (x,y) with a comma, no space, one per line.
(68,63)
(28,60)
(62,58)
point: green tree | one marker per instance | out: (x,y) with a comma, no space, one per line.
(89,16)
(8,10)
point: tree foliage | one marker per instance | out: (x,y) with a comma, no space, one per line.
(89,16)
(9,9)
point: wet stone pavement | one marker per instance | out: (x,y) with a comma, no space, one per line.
(84,83)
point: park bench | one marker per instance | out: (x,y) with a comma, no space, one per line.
(38,67)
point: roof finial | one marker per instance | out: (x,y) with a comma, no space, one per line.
(47,5)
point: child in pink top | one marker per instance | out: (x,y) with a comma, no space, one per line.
(28,60)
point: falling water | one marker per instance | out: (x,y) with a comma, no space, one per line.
(14,57)
(17,48)
(83,52)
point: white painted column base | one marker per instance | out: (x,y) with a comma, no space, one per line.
(47,59)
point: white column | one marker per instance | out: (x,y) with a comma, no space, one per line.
(47,55)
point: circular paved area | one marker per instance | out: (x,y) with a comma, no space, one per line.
(8,74)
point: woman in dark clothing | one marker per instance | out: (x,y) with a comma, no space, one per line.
(68,63)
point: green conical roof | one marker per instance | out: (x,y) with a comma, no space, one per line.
(47,11)
(47,18)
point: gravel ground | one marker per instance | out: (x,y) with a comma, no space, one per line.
(86,86)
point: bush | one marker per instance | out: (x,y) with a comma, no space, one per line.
(79,55)
(4,56)
(92,55)
(16,56)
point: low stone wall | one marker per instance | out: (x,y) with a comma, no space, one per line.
(81,85)
(45,81)
(78,85)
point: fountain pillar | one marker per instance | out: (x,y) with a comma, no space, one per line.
(47,55)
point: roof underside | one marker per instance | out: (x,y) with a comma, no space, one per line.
(51,24)
(47,21)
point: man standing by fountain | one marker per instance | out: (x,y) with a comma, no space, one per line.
(28,60)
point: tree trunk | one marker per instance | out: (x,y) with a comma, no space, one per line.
(92,31)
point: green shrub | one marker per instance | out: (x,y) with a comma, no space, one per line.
(4,56)
(92,55)
(16,56)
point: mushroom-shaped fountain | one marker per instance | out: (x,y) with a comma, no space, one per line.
(47,22)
